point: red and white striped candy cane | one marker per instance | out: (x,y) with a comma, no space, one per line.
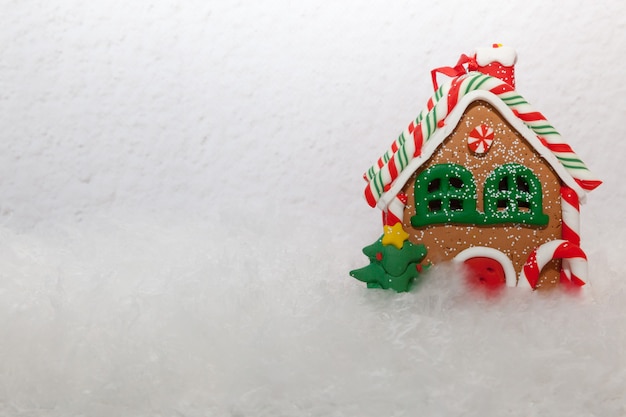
(556,249)
(570,208)
(395,210)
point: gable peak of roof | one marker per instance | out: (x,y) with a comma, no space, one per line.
(414,140)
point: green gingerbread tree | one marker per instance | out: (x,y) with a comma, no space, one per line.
(392,265)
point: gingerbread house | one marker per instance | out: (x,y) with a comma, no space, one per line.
(481,177)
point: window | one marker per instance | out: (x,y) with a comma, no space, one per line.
(513,195)
(445,193)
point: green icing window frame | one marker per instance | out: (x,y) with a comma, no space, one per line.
(445,193)
(513,195)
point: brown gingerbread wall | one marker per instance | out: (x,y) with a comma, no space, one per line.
(516,241)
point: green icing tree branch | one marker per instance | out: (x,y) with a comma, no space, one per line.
(391,267)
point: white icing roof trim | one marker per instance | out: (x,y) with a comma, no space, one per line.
(453,119)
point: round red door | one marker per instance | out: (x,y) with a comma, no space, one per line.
(485,271)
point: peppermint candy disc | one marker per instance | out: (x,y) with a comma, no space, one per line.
(480,139)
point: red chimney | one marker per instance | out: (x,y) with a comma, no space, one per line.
(497,61)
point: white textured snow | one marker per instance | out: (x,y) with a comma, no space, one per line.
(181,202)
(161,316)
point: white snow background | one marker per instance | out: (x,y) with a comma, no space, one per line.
(181,202)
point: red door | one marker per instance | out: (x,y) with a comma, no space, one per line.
(485,271)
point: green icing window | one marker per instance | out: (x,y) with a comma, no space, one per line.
(513,195)
(445,193)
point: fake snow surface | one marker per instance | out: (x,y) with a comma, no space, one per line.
(162,317)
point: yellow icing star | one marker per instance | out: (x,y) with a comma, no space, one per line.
(394,235)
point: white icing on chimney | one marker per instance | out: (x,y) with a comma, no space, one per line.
(505,55)
(497,61)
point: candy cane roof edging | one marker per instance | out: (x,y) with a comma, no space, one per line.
(451,121)
(490,89)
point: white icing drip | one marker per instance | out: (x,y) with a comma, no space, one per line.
(505,55)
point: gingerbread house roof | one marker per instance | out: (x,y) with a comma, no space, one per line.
(444,109)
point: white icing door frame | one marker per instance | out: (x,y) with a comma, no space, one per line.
(484,252)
